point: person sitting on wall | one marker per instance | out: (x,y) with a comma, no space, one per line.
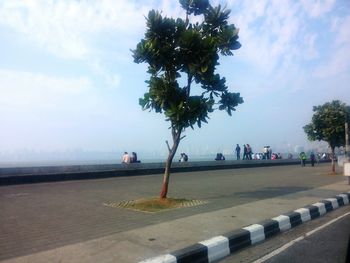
(220,157)
(183,158)
(133,158)
(126,158)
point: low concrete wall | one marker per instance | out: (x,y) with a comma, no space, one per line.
(22,175)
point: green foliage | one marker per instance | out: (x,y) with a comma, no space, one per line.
(328,123)
(196,7)
(178,51)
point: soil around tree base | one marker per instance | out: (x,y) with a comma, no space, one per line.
(155,204)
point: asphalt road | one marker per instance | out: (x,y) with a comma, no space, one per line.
(318,241)
(39,217)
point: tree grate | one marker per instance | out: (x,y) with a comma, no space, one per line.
(155,204)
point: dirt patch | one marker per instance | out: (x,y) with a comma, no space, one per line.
(153,205)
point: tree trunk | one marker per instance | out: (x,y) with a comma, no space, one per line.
(172,152)
(164,192)
(333,163)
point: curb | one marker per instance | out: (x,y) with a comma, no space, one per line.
(219,247)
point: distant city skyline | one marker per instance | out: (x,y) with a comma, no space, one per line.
(81,156)
(68,80)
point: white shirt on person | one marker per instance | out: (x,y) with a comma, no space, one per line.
(126,158)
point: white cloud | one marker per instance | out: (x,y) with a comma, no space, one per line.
(316,8)
(25,91)
(48,112)
(79,29)
(311,51)
(112,80)
(169,8)
(269,32)
(65,28)
(341,27)
(281,40)
(338,62)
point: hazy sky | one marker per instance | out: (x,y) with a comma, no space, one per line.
(68,81)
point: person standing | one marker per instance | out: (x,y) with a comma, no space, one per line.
(269,154)
(302,158)
(244,152)
(266,152)
(238,152)
(318,157)
(249,152)
(312,159)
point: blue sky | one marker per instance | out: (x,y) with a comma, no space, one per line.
(68,81)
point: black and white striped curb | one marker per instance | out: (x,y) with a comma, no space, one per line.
(219,247)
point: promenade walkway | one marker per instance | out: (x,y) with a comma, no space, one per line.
(67,221)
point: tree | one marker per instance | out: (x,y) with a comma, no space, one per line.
(182,56)
(328,124)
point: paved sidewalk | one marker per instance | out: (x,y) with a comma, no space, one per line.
(148,241)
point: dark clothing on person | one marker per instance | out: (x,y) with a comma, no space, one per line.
(245,156)
(186,157)
(183,158)
(219,157)
(312,159)
(133,158)
(238,152)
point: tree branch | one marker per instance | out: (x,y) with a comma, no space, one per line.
(167,143)
(182,137)
(173,133)
(188,89)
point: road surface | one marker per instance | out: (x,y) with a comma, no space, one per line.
(318,241)
(39,217)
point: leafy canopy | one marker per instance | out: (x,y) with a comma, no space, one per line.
(180,55)
(328,123)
